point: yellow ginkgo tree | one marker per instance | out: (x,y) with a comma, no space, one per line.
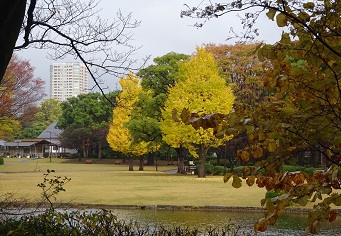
(119,137)
(200,89)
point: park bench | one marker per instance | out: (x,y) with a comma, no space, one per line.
(118,162)
(88,161)
(191,167)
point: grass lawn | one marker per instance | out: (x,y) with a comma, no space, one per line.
(106,183)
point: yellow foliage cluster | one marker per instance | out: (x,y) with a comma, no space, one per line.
(8,126)
(200,89)
(119,137)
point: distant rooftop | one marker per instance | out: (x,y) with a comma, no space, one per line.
(51,132)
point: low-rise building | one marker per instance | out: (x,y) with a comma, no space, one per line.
(47,144)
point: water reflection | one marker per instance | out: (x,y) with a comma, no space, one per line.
(292,224)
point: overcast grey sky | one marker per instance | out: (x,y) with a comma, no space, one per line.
(161,31)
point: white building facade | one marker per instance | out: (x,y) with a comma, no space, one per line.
(68,80)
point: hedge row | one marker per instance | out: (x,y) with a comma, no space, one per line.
(104,222)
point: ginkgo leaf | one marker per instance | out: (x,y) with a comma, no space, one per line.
(271,14)
(249,128)
(332,216)
(257,152)
(303,200)
(331,63)
(281,20)
(309,5)
(261,136)
(270,206)
(227,176)
(304,16)
(260,54)
(174,115)
(285,38)
(245,156)
(250,180)
(185,115)
(237,182)
(272,146)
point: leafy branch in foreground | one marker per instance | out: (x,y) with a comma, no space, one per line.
(52,186)
(294,187)
(302,106)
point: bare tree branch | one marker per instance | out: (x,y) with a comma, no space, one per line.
(214,10)
(75,28)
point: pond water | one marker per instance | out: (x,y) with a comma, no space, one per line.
(290,224)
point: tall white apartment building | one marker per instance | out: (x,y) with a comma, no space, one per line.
(68,80)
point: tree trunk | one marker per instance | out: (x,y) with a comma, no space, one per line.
(79,155)
(87,148)
(180,152)
(131,163)
(323,159)
(141,163)
(202,158)
(150,160)
(315,159)
(84,149)
(11,18)
(99,150)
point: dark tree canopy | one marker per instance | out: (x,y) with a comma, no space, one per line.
(85,120)
(11,18)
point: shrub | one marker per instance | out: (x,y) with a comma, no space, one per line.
(310,171)
(213,162)
(218,170)
(8,225)
(271,194)
(97,223)
(290,168)
(211,158)
(238,170)
(209,168)
(1,161)
(220,163)
(223,162)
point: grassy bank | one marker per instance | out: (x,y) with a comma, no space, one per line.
(106,183)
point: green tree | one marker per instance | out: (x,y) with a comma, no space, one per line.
(303,105)
(200,88)
(155,80)
(86,115)
(48,112)
(119,137)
